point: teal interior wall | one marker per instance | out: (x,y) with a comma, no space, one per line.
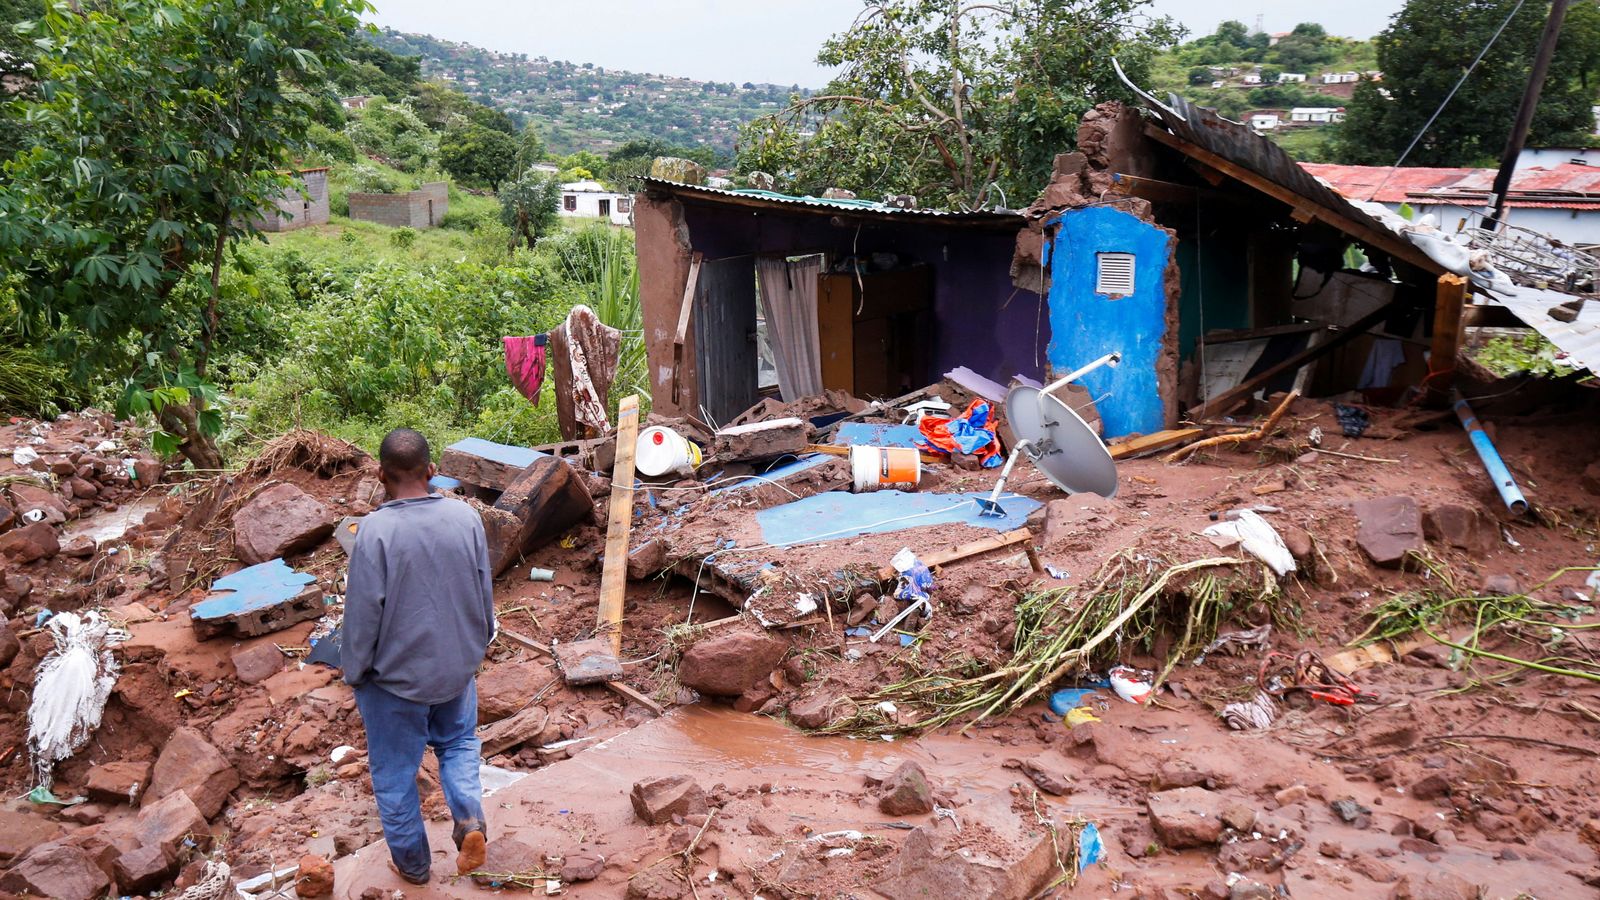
(1214,267)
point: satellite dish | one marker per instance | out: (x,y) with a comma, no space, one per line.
(1061,444)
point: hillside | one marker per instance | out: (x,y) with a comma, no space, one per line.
(581,106)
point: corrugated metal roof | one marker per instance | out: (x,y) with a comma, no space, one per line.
(1565,186)
(867,208)
(1578,339)
(1378,184)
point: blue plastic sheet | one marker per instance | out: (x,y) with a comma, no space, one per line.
(835,515)
(1090,848)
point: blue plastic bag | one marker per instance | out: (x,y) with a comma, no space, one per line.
(1090,848)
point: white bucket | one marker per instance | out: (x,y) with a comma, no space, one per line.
(662,451)
(874,467)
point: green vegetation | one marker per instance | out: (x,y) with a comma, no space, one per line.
(1529,353)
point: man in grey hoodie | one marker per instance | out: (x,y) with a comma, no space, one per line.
(418,617)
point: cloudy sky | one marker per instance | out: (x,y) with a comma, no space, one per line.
(758,40)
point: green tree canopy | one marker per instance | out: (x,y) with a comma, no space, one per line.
(476,155)
(949,100)
(1423,53)
(528,206)
(160,129)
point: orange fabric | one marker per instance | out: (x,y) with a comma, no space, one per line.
(936,431)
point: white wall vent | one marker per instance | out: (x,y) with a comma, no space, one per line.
(1114,274)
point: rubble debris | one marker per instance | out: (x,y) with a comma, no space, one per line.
(264,598)
(1389,529)
(587,662)
(486,464)
(123,781)
(1186,817)
(545,499)
(57,870)
(29,543)
(725,665)
(765,439)
(657,800)
(280,521)
(1018,861)
(188,764)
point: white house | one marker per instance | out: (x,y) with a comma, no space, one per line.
(1291,77)
(1340,77)
(590,199)
(1253,77)
(1264,121)
(1316,115)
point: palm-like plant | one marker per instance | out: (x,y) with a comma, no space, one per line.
(600,262)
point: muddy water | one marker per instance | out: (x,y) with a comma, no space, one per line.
(111,526)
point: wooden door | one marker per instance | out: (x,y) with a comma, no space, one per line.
(725,337)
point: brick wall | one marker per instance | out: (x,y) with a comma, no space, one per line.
(421,208)
(294,209)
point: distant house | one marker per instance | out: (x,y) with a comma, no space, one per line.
(303,204)
(359,101)
(1340,77)
(544,168)
(591,199)
(1253,77)
(1291,77)
(1316,115)
(1276,36)
(1264,121)
(422,208)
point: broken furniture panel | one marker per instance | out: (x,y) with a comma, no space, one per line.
(264,598)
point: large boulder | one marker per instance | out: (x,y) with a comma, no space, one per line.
(1186,817)
(657,800)
(26,498)
(507,688)
(118,782)
(30,542)
(546,499)
(191,765)
(1389,529)
(278,521)
(58,871)
(728,664)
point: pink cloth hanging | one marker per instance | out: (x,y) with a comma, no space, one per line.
(525,357)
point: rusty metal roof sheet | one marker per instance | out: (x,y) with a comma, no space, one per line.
(1578,339)
(990,218)
(1565,186)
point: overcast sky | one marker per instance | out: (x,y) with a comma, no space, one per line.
(759,40)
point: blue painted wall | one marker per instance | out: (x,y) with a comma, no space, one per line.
(1085,326)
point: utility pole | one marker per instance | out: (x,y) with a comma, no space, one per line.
(1530,101)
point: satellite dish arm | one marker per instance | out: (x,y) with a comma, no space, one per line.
(1110,359)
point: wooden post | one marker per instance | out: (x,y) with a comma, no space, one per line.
(614,573)
(1448,302)
(681,335)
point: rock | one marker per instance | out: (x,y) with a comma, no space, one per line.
(1500,586)
(1590,832)
(28,497)
(1291,795)
(582,867)
(505,855)
(58,871)
(1591,477)
(80,547)
(1047,779)
(1182,773)
(811,712)
(315,878)
(906,792)
(279,521)
(13,590)
(147,470)
(1436,885)
(727,664)
(118,782)
(21,831)
(8,516)
(145,868)
(1016,859)
(657,800)
(191,765)
(1251,890)
(1375,869)
(1239,817)
(81,489)
(755,696)
(1431,787)
(30,542)
(1461,527)
(545,500)
(257,662)
(1186,817)
(506,689)
(1076,514)
(170,822)
(1298,540)
(862,609)
(659,882)
(1389,529)
(10,646)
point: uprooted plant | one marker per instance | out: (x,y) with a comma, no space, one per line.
(1465,620)
(1069,630)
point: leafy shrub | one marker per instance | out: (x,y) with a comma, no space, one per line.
(403,237)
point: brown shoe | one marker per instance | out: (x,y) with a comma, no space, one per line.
(472,853)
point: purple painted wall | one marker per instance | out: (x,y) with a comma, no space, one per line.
(982,321)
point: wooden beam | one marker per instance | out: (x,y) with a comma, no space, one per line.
(614,571)
(956,554)
(1449,298)
(1147,443)
(1234,395)
(1372,235)
(681,335)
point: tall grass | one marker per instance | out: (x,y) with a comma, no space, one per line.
(599,260)
(29,384)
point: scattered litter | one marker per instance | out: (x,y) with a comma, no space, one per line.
(1079,716)
(1132,685)
(1068,699)
(340,753)
(71,687)
(1258,537)
(1091,849)
(33,515)
(1348,810)
(1058,574)
(874,468)
(940,812)
(536,574)
(915,579)
(1353,420)
(921,603)
(1249,639)
(1250,715)
(972,432)
(24,457)
(42,616)
(1281,674)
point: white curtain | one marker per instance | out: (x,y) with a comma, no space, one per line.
(789,301)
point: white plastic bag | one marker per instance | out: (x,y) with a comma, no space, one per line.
(1259,539)
(70,690)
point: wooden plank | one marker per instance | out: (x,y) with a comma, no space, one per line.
(498,737)
(1449,298)
(623,690)
(956,554)
(614,572)
(1370,234)
(681,335)
(1234,395)
(1146,443)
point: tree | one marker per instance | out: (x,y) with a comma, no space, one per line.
(949,99)
(477,155)
(1200,75)
(528,206)
(1423,53)
(160,129)
(16,67)
(1303,49)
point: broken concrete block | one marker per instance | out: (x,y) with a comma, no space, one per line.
(190,765)
(118,782)
(657,800)
(59,871)
(279,521)
(486,464)
(906,792)
(30,542)
(760,440)
(1186,817)
(546,499)
(1389,529)
(587,662)
(727,664)
(259,600)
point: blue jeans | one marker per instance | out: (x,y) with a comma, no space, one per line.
(398,731)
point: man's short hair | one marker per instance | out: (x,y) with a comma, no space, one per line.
(404,453)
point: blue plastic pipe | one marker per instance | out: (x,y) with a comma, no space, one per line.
(1503,482)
